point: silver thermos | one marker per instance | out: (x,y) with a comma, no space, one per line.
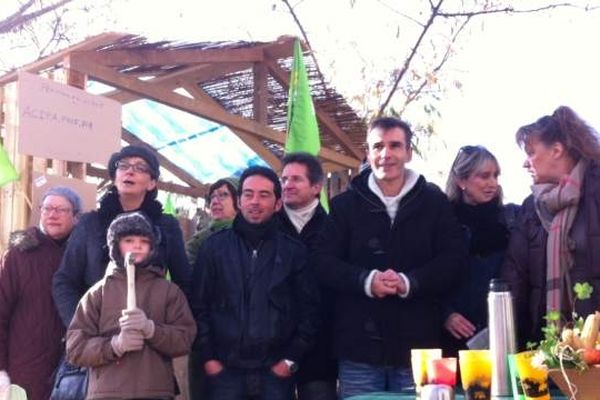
(502,335)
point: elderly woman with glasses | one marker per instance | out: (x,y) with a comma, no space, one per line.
(557,241)
(223,205)
(134,172)
(476,196)
(30,329)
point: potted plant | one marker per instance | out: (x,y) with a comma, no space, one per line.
(571,353)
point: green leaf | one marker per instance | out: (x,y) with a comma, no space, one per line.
(552,316)
(583,290)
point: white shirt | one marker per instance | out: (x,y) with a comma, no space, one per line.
(301,216)
(391,206)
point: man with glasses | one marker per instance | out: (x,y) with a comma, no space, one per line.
(303,217)
(31,331)
(391,250)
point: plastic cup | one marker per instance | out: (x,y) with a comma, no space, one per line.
(419,358)
(476,373)
(534,379)
(442,371)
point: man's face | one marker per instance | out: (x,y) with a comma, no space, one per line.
(298,192)
(57,217)
(387,153)
(257,201)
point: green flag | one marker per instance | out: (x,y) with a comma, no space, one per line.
(169,207)
(302,127)
(8,172)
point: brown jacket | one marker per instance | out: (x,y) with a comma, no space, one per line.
(142,374)
(30,329)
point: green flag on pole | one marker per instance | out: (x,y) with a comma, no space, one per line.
(169,207)
(302,127)
(8,172)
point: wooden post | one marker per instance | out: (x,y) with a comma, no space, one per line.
(15,197)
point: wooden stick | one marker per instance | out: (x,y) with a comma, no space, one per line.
(130,266)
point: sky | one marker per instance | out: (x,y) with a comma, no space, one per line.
(513,70)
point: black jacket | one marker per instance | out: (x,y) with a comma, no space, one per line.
(253,307)
(318,364)
(424,242)
(526,263)
(86,255)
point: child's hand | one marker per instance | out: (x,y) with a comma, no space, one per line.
(127,340)
(136,319)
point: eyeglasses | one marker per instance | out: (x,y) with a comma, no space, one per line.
(219,195)
(138,167)
(46,210)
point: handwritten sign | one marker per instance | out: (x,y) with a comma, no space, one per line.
(66,123)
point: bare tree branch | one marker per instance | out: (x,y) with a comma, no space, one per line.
(20,18)
(434,12)
(506,10)
(408,17)
(415,94)
(305,37)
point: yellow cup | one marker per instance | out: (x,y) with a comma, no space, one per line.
(476,373)
(534,379)
(419,359)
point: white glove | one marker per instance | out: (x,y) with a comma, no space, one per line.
(127,340)
(136,319)
(4,379)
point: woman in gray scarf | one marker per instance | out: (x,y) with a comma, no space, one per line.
(556,243)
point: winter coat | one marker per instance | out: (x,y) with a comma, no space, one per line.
(486,229)
(253,307)
(147,373)
(86,255)
(193,245)
(424,242)
(31,331)
(318,364)
(525,265)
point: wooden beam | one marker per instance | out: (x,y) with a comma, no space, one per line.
(165,162)
(194,106)
(252,142)
(117,58)
(166,186)
(261,93)
(198,73)
(283,78)
(51,60)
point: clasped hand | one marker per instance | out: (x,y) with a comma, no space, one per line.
(387,283)
(135,327)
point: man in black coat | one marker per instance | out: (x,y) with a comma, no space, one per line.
(253,298)
(303,217)
(391,250)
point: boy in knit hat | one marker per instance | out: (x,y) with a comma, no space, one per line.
(130,351)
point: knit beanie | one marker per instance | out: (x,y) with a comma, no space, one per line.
(130,224)
(135,151)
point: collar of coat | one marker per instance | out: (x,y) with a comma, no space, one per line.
(110,207)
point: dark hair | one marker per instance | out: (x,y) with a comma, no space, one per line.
(563,126)
(145,153)
(231,187)
(468,161)
(387,123)
(312,164)
(264,172)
